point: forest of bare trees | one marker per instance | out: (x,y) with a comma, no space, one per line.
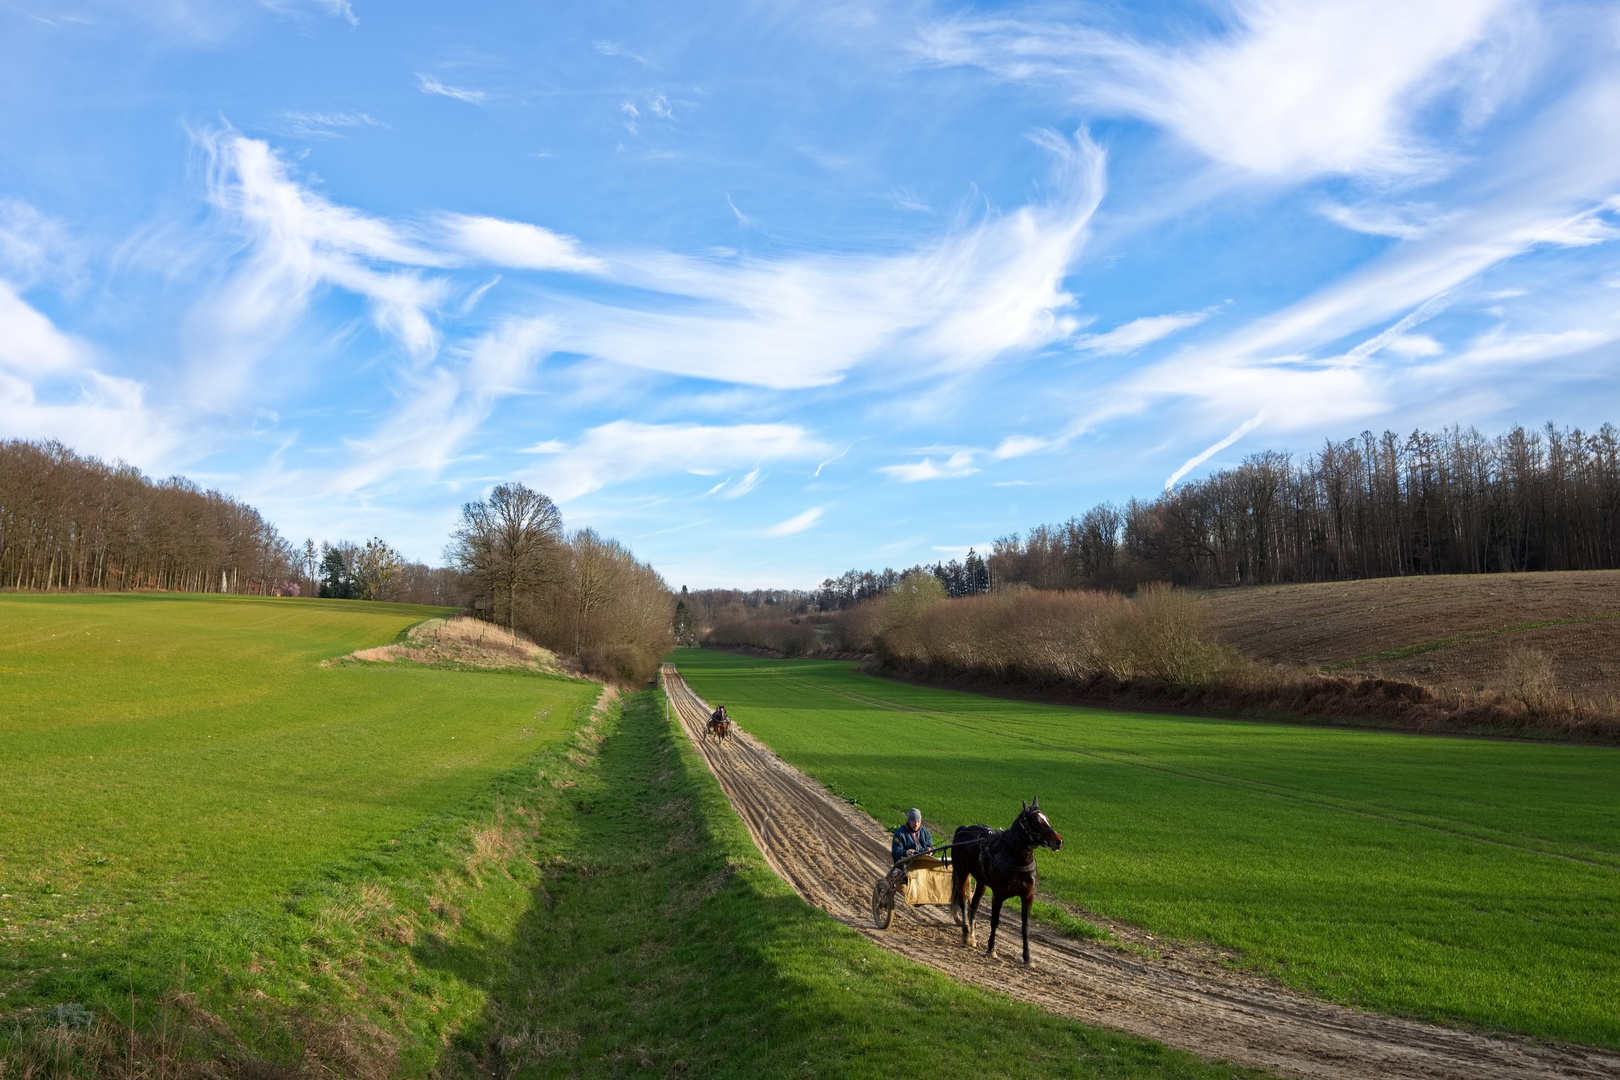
(72,522)
(579,594)
(1455,502)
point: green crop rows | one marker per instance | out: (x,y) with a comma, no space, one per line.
(1460,880)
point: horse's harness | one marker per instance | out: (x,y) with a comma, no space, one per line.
(995,847)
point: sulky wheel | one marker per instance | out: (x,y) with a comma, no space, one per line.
(882,905)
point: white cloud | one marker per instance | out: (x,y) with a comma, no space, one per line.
(48,390)
(1414,345)
(627,450)
(1291,88)
(430,85)
(297,242)
(1015,446)
(958,464)
(798,523)
(30,344)
(102,415)
(804,321)
(516,244)
(1139,333)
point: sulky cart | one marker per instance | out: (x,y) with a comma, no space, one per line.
(921,879)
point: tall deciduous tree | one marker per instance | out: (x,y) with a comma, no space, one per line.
(509,545)
(376,570)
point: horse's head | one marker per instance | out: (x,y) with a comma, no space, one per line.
(1037,828)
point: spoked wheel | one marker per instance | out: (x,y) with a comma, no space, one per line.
(882,904)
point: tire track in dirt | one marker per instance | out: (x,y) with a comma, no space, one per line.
(831,853)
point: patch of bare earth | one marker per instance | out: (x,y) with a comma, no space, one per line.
(1183,995)
(463,643)
(1455,630)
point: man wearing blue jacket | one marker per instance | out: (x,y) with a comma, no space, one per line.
(912,838)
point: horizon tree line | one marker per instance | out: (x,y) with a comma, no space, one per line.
(1447,502)
(72,523)
(1452,502)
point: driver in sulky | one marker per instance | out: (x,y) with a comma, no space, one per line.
(912,838)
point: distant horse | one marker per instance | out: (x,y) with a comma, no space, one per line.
(719,725)
(1005,861)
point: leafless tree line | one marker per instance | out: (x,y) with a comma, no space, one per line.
(75,523)
(70,522)
(578,594)
(1373,506)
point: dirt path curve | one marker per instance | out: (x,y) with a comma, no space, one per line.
(832,853)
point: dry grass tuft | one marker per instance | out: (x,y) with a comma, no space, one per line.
(1530,679)
(492,845)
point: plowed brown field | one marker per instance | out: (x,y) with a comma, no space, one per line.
(1452,630)
(832,853)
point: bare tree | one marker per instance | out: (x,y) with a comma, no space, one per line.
(508,544)
(376,570)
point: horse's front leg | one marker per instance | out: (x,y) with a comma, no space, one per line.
(1028,899)
(996,900)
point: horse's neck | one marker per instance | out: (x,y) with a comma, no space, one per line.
(1017,837)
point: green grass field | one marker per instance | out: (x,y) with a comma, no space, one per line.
(1462,880)
(260,866)
(169,762)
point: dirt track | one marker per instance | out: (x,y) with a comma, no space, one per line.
(832,853)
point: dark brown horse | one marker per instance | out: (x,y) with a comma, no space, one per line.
(1004,861)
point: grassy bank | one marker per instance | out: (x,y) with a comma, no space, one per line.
(1463,880)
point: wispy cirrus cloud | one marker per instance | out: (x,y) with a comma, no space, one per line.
(440,409)
(801,321)
(429,84)
(798,523)
(1290,88)
(297,241)
(1140,333)
(626,450)
(325,124)
(34,245)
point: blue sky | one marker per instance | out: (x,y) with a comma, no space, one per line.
(770,290)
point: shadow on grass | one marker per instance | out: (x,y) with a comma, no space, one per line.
(659,942)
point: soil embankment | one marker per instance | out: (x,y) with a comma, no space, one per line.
(832,853)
